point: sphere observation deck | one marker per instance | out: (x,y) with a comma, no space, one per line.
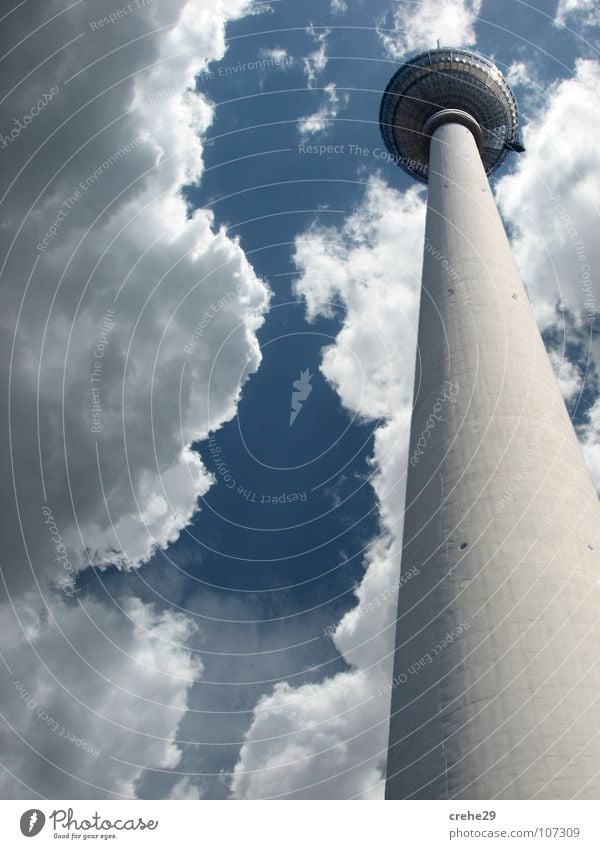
(441,79)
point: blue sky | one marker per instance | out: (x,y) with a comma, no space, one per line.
(235,573)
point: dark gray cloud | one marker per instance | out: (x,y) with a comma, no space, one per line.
(128,328)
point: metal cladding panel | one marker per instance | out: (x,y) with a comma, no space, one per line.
(447,78)
(496,689)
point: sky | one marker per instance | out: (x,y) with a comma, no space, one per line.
(210,271)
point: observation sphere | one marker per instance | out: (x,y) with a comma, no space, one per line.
(447,78)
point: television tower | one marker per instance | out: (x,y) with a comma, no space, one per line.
(496,684)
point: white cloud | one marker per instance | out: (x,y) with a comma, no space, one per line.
(418,26)
(585,12)
(530,89)
(310,750)
(279,55)
(590,437)
(551,202)
(314,65)
(322,119)
(568,375)
(94,696)
(361,267)
(186,789)
(315,62)
(551,199)
(519,73)
(121,240)
(338,7)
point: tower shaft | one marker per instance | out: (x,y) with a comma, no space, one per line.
(496,687)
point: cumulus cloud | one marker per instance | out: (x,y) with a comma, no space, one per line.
(528,85)
(590,438)
(310,740)
(583,12)
(568,375)
(186,789)
(519,73)
(112,351)
(550,197)
(574,357)
(94,695)
(418,26)
(128,328)
(549,201)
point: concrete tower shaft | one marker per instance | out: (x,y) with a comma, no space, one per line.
(496,687)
